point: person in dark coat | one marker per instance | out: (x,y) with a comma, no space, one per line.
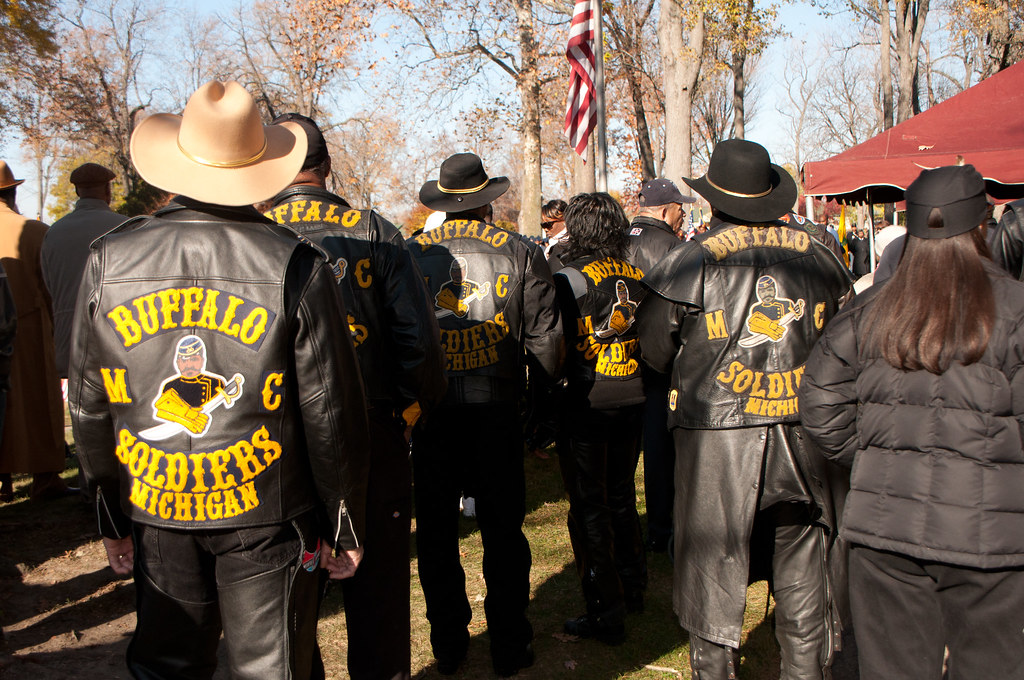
(402,364)
(598,292)
(927,407)
(652,234)
(733,316)
(474,439)
(860,253)
(66,249)
(1007,240)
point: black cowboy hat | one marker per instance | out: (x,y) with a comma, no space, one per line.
(741,181)
(463,185)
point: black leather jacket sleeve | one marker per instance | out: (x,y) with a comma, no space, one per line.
(541,328)
(413,328)
(333,408)
(661,322)
(92,423)
(1008,241)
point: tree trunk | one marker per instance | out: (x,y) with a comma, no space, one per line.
(885,42)
(529,94)
(643,133)
(739,87)
(910,20)
(681,39)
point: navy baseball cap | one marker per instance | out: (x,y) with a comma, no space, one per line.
(662,192)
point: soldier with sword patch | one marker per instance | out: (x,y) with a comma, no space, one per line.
(186,400)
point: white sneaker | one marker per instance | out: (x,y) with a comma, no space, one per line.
(468,507)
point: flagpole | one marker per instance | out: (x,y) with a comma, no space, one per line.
(601,157)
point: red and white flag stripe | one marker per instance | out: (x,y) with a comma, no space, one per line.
(581,112)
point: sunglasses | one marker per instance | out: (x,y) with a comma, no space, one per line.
(546,225)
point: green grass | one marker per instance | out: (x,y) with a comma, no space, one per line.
(654,637)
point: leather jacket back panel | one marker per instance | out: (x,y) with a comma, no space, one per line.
(599,299)
(749,302)
(394,332)
(194,348)
(493,297)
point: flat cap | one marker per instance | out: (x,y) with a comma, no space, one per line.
(91,173)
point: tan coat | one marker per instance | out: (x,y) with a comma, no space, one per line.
(33,436)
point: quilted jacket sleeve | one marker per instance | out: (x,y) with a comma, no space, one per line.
(828,396)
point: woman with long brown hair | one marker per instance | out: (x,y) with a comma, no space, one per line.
(919,387)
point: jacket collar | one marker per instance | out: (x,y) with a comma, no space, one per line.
(653,222)
(308,190)
(180,207)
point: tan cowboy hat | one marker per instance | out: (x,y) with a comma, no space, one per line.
(218,151)
(7,177)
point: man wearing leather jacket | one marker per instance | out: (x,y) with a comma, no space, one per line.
(474,439)
(736,419)
(222,508)
(652,234)
(402,363)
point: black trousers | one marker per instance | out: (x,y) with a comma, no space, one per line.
(598,470)
(252,583)
(659,458)
(377,597)
(906,611)
(785,538)
(480,445)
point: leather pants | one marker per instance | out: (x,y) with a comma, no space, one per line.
(598,470)
(252,583)
(798,585)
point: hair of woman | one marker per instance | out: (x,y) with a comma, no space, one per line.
(553,211)
(597,226)
(938,306)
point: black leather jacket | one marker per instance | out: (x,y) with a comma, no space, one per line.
(1007,243)
(213,383)
(737,311)
(599,299)
(393,329)
(650,239)
(493,297)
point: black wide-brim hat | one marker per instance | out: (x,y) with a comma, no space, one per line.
(463,184)
(742,182)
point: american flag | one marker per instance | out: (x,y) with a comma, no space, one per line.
(581,112)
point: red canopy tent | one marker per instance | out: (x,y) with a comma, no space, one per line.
(983,124)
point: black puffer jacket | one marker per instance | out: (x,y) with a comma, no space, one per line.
(938,460)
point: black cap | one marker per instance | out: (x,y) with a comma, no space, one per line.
(662,192)
(316,148)
(958,191)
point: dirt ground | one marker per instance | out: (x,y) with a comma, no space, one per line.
(63,612)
